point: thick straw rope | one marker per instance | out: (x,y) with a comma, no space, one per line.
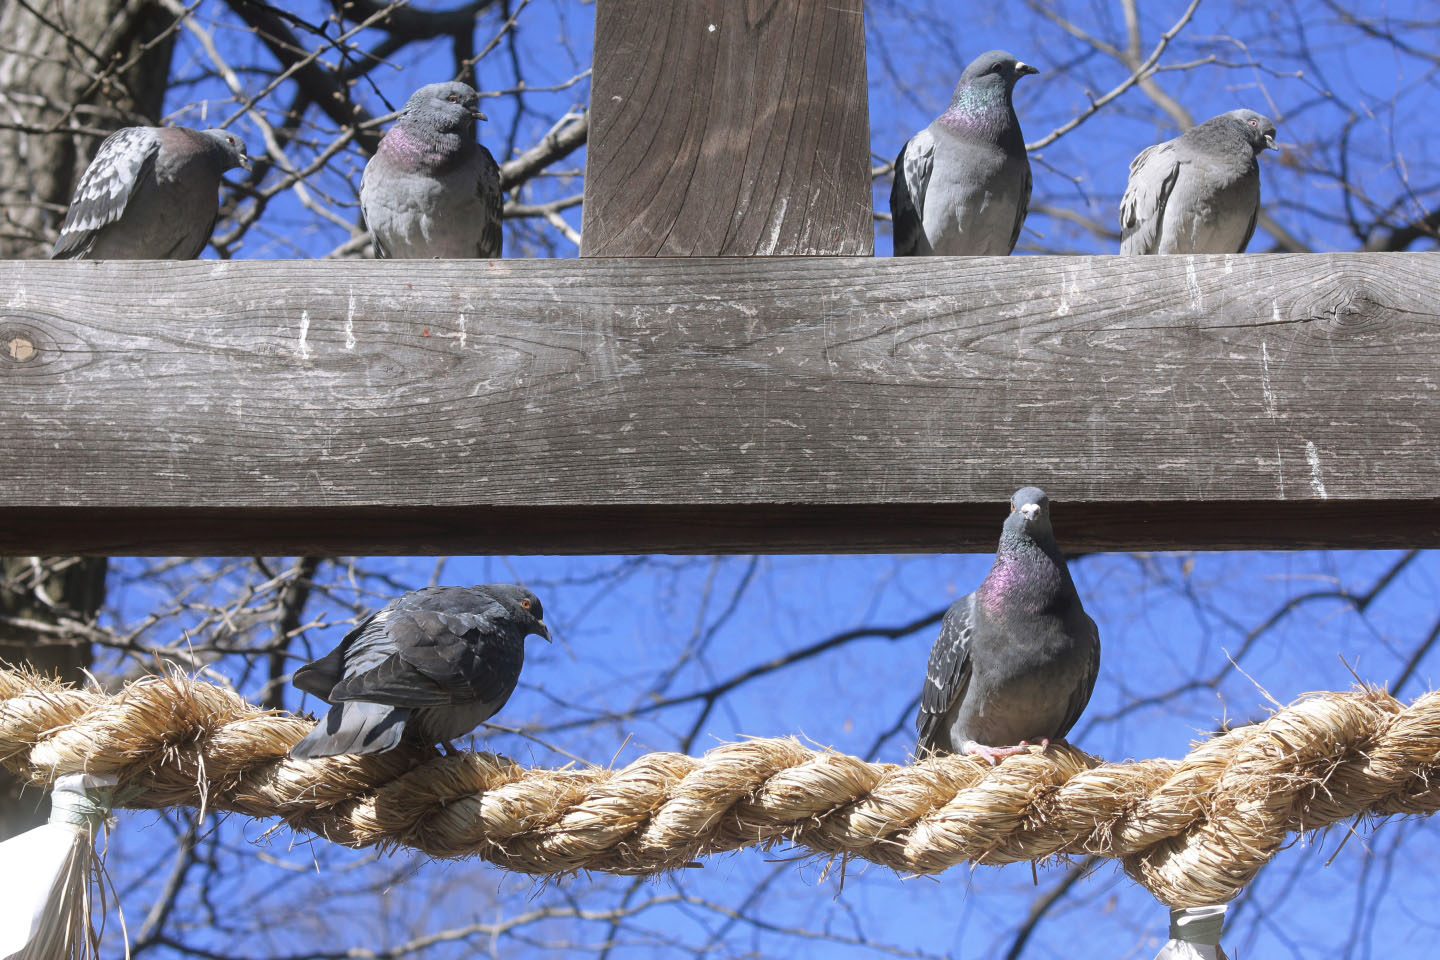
(1193,831)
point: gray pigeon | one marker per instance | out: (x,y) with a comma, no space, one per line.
(1016,660)
(962,185)
(431,190)
(1198,193)
(149,194)
(438,661)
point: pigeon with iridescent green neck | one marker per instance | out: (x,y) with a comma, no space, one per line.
(962,185)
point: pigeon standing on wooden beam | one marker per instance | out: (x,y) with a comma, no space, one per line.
(430,190)
(149,194)
(1198,193)
(962,185)
(437,662)
(1016,660)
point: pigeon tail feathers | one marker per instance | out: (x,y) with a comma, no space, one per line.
(353,727)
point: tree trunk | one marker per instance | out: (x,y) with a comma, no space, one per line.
(71,71)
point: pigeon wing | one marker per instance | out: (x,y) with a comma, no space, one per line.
(363,648)
(435,650)
(107,185)
(381,253)
(948,674)
(1142,210)
(443,632)
(487,189)
(320,676)
(1023,207)
(397,683)
(1250,230)
(907,195)
(1080,696)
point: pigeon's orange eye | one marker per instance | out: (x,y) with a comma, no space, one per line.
(453,99)
(525,604)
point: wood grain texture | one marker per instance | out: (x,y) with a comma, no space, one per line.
(714,404)
(728,128)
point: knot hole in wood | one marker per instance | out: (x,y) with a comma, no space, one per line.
(19,347)
(1348,302)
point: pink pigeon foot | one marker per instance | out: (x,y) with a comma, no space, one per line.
(992,755)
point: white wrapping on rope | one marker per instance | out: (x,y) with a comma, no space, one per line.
(45,874)
(1195,934)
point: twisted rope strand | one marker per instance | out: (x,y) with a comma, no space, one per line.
(1193,832)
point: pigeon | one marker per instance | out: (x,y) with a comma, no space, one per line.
(1198,193)
(430,190)
(1016,660)
(962,185)
(149,194)
(438,662)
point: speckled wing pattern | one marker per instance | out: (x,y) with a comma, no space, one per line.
(487,188)
(106,187)
(947,676)
(907,195)
(1142,210)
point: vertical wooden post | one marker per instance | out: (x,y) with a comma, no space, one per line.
(728,128)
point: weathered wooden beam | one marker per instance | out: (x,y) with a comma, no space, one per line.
(695,405)
(728,128)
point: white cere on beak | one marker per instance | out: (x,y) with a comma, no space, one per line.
(1030,510)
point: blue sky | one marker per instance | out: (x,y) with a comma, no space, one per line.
(622,624)
(615,639)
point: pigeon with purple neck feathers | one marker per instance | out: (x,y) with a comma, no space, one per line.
(149,194)
(430,190)
(1016,660)
(1198,193)
(962,185)
(437,662)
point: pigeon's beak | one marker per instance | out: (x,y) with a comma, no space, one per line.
(1030,510)
(1270,142)
(543,630)
(1023,69)
(478,115)
(244,161)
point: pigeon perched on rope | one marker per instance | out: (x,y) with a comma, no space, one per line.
(151,193)
(1198,193)
(1016,660)
(962,185)
(430,190)
(436,662)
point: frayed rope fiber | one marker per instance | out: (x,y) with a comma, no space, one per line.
(1193,831)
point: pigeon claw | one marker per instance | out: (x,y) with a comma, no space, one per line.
(992,755)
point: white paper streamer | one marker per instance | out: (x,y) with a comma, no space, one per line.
(45,874)
(1195,934)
